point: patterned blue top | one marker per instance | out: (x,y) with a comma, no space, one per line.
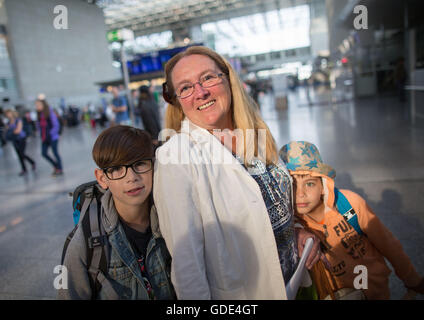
(275,185)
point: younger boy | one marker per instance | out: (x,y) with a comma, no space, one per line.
(345,247)
(139,263)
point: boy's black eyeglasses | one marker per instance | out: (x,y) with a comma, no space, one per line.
(119,172)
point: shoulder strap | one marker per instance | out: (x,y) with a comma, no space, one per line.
(76,216)
(96,246)
(94,234)
(345,209)
(67,241)
(83,193)
(85,206)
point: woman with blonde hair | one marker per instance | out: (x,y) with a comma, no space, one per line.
(18,136)
(224,198)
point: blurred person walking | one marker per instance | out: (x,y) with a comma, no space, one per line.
(92,114)
(2,128)
(400,78)
(137,115)
(149,111)
(29,124)
(17,135)
(49,126)
(119,107)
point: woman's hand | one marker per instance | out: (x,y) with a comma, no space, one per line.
(315,254)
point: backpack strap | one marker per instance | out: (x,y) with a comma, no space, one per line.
(96,240)
(83,193)
(67,241)
(76,216)
(88,217)
(85,206)
(345,209)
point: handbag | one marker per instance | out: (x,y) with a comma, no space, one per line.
(325,283)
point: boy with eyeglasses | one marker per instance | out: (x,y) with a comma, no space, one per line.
(138,261)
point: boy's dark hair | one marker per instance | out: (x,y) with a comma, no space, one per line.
(121,145)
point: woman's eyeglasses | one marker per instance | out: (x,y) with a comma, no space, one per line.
(206,81)
(119,172)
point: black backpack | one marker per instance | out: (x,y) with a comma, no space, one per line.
(86,203)
(26,127)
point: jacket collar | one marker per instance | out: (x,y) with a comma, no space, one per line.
(218,154)
(154,223)
(110,217)
(199,134)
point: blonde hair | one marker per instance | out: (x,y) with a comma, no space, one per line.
(14,113)
(244,111)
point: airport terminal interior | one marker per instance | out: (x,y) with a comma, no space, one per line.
(345,75)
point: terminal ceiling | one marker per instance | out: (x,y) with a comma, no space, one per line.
(152,16)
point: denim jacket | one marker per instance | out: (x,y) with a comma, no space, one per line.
(123,279)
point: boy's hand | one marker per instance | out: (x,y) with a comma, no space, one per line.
(315,254)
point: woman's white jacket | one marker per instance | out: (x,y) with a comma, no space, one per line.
(214,221)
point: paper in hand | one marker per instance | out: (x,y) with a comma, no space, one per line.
(293,286)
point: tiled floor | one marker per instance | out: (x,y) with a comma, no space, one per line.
(370,143)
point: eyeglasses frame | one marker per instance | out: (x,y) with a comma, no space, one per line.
(219,75)
(129,166)
(168,98)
